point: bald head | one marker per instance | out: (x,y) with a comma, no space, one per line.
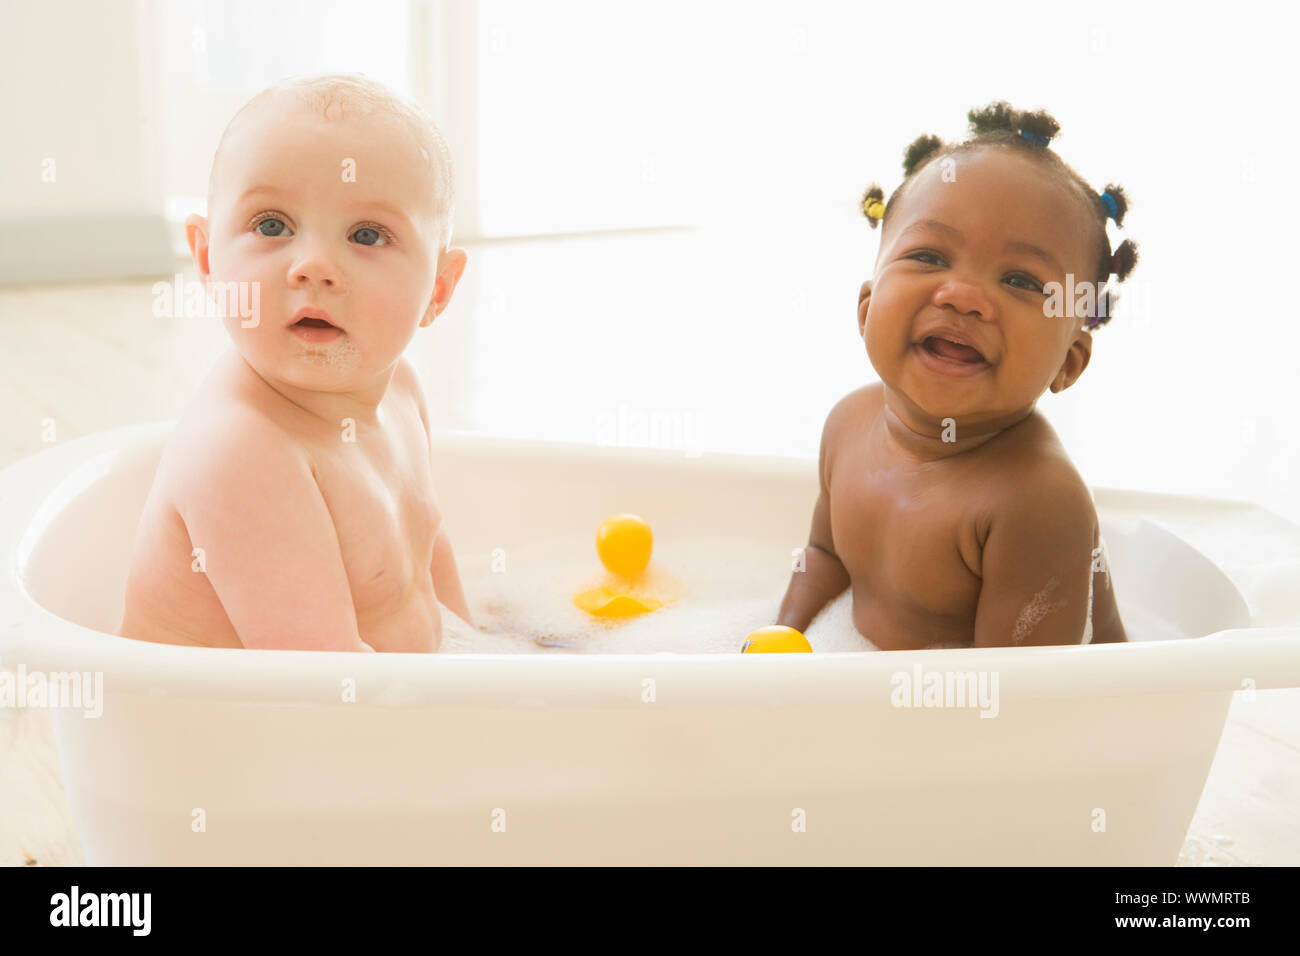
(350,97)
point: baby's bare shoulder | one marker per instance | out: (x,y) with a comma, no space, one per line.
(850,416)
(1039,479)
(224,437)
(1037,454)
(240,443)
(229,401)
(852,411)
(407,385)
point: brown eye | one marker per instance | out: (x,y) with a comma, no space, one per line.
(1030,286)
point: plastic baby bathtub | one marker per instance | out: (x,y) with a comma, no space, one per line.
(1097,754)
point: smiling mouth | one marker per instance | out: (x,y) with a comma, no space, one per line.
(953,351)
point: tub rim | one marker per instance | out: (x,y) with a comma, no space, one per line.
(39,640)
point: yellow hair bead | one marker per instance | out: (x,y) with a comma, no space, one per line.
(874,208)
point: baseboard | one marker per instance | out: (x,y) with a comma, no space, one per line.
(110,245)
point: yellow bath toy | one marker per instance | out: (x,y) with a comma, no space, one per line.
(775,639)
(605,602)
(624,543)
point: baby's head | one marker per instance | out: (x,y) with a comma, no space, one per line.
(334,195)
(969,242)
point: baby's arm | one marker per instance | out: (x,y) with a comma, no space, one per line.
(270,550)
(446,578)
(1107,628)
(1035,565)
(824,576)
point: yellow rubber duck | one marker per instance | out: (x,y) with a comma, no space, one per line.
(776,639)
(624,543)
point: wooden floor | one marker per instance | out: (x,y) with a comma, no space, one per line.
(81,358)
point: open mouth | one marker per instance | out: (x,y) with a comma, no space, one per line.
(953,351)
(950,359)
(315,330)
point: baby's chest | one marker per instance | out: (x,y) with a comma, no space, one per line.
(909,544)
(386,519)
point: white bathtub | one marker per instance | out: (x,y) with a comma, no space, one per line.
(796,758)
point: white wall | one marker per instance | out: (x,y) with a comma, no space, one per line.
(80,194)
(73,93)
(127,98)
(214,55)
(769,117)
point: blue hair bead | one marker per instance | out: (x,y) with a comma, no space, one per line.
(1109,200)
(1034,137)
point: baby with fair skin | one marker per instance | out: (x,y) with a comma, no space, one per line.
(948,504)
(293,506)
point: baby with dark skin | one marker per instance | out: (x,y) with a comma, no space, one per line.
(948,504)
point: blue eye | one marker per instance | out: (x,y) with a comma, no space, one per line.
(276,228)
(369,236)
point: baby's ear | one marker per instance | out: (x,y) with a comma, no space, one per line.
(864,299)
(451,266)
(196,235)
(1076,360)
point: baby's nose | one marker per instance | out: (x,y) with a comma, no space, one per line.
(315,269)
(964,295)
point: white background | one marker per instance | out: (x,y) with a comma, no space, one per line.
(757,125)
